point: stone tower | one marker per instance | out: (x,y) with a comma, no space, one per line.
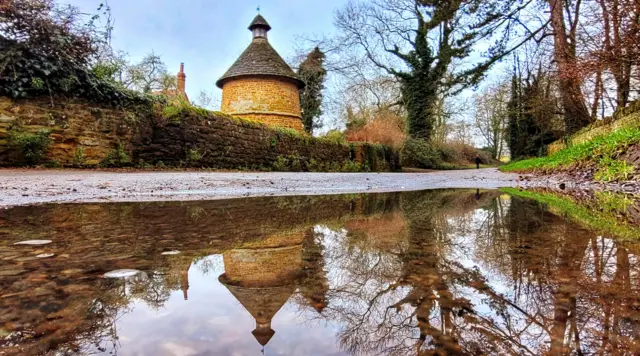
(260,86)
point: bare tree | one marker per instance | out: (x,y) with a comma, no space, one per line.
(620,36)
(492,116)
(150,74)
(576,113)
(417,41)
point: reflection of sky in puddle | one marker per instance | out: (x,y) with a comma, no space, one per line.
(213,322)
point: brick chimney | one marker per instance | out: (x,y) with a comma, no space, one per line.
(181,79)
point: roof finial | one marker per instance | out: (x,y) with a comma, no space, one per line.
(259,26)
(258,9)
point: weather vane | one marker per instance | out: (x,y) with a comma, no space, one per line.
(258,9)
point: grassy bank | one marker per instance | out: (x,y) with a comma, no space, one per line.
(601,214)
(601,153)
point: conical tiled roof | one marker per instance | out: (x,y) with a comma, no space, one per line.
(262,303)
(259,21)
(260,59)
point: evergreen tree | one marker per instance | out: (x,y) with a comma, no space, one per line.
(532,109)
(516,131)
(313,73)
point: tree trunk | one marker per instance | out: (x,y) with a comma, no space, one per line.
(576,113)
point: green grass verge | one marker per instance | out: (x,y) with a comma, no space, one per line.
(600,215)
(602,152)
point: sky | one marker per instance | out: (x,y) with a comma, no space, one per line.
(208,35)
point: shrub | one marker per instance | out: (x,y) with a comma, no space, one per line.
(78,157)
(418,153)
(143,165)
(384,128)
(46,49)
(450,154)
(335,136)
(460,152)
(296,165)
(281,164)
(194,155)
(312,166)
(351,166)
(31,147)
(116,158)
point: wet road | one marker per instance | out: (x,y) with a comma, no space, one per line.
(24,187)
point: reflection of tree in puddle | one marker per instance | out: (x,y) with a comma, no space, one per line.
(494,276)
(81,318)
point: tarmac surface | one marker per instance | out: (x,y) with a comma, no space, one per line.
(36,186)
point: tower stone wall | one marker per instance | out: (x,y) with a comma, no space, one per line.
(269,100)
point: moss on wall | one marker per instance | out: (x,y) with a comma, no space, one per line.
(222,141)
(625,118)
(80,134)
(84,135)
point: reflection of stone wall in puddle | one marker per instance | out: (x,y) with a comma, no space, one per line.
(261,276)
(91,239)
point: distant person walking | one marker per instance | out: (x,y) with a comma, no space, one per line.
(478,161)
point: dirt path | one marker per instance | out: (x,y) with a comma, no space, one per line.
(24,187)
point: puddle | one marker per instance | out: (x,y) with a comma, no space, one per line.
(412,273)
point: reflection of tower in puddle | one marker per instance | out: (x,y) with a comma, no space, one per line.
(261,275)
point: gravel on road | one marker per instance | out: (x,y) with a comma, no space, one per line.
(25,187)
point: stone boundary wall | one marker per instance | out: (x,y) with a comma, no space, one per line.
(189,137)
(215,140)
(628,117)
(73,125)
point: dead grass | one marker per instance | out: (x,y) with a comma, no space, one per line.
(384,128)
